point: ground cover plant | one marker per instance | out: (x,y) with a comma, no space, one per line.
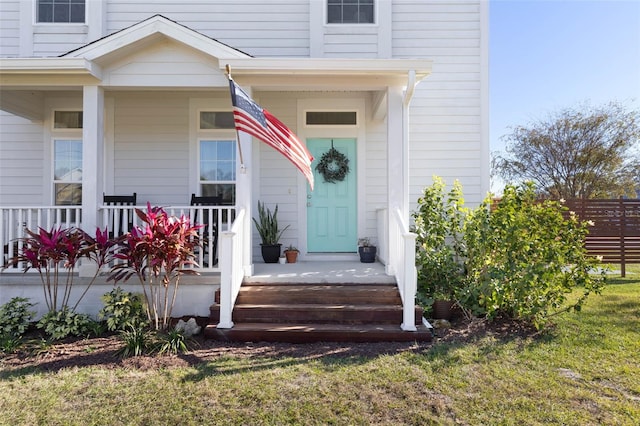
(581,371)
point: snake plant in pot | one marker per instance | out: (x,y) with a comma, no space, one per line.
(270,233)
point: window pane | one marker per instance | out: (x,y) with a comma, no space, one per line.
(226,190)
(68,194)
(332,118)
(334,14)
(226,150)
(45,12)
(350,11)
(77,12)
(67,161)
(208,170)
(217,161)
(61,11)
(67,119)
(366,14)
(226,171)
(216,120)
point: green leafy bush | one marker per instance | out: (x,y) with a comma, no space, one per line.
(524,256)
(123,310)
(64,323)
(439,222)
(15,317)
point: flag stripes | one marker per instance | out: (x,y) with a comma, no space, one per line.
(251,118)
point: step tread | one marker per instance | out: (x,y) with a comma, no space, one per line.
(302,333)
(310,306)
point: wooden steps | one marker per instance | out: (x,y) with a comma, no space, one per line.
(299,313)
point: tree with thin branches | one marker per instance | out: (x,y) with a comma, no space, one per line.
(584,152)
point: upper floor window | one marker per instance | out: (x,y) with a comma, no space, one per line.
(350,11)
(61,11)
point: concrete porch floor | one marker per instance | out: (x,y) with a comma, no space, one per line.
(320,272)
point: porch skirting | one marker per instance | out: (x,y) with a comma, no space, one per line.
(195,294)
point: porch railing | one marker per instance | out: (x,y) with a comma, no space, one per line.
(14,221)
(232,269)
(218,220)
(402,260)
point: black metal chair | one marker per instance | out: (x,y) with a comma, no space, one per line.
(208,222)
(119,224)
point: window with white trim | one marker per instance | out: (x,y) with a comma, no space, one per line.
(350,11)
(67,172)
(217,156)
(218,169)
(61,11)
(66,157)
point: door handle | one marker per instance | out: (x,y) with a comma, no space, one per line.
(308,196)
(308,204)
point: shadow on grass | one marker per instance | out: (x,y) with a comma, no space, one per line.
(208,357)
(265,356)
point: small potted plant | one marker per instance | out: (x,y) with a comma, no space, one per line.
(291,254)
(270,233)
(366,250)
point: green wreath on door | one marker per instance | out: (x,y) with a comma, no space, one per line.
(333,166)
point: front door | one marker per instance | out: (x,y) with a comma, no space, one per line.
(331,207)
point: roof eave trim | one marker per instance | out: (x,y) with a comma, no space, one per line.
(324,66)
(30,66)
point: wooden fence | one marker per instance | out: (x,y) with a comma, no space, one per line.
(615,234)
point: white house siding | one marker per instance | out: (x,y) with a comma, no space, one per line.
(9,28)
(260,27)
(275,178)
(53,40)
(375,173)
(445,123)
(21,161)
(351,41)
(151,146)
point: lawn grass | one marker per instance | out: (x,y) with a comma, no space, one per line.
(584,371)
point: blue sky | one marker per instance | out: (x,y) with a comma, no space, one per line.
(549,55)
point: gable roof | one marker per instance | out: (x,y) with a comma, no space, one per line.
(148,31)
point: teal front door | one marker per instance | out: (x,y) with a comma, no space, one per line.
(331,207)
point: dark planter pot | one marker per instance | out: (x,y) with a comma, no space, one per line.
(442,309)
(270,253)
(367,254)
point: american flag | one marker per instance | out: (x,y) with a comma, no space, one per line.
(251,118)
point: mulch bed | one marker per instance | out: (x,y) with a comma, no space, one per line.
(102,351)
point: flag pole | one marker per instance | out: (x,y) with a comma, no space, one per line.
(242,167)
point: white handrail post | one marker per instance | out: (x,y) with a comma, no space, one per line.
(410,283)
(226,279)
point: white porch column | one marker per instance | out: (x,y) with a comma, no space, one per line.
(92,158)
(397,170)
(244,195)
